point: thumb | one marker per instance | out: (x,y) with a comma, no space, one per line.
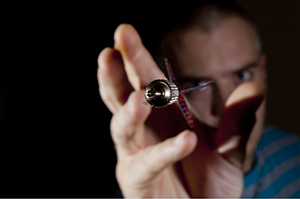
(238,121)
(158,157)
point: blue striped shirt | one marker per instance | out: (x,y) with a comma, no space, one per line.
(276,171)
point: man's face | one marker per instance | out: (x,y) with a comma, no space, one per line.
(228,55)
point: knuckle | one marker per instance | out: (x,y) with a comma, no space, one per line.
(114,128)
(120,129)
(104,96)
(108,100)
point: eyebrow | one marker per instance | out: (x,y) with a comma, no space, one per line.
(245,67)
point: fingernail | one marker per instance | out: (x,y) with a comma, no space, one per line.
(229,145)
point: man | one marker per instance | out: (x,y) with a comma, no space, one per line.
(226,154)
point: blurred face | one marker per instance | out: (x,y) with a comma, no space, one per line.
(228,56)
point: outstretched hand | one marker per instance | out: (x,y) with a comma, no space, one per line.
(157,155)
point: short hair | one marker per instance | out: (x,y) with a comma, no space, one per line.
(202,14)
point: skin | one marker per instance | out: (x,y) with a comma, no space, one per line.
(161,157)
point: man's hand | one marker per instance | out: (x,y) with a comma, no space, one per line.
(144,167)
(157,157)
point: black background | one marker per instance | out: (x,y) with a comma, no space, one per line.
(54,137)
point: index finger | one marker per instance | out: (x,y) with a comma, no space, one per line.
(140,67)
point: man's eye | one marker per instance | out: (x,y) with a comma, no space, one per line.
(243,76)
(202,83)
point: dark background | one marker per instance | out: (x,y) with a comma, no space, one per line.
(54,134)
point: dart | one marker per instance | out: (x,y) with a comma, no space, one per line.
(161,93)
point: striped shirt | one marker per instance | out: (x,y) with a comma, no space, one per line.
(276,171)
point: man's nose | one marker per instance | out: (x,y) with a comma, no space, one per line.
(221,92)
